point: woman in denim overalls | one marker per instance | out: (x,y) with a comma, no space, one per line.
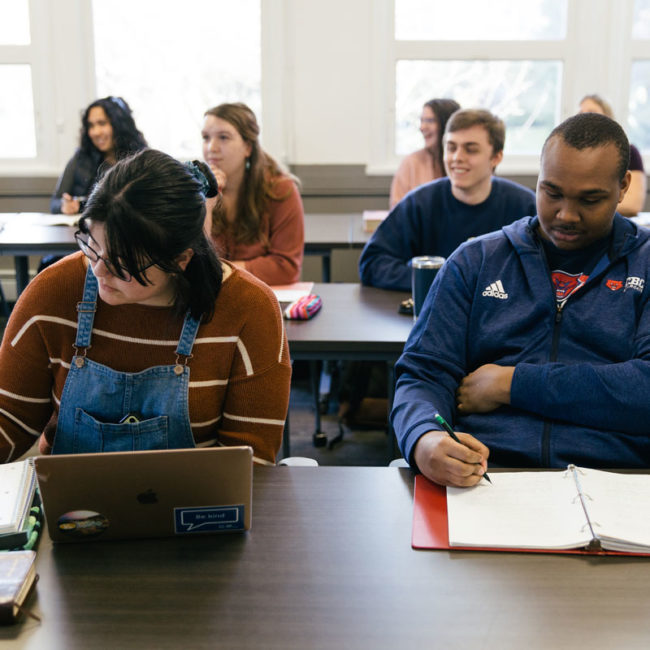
(132,258)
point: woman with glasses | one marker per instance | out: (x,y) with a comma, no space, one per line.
(258,222)
(426,164)
(108,133)
(144,339)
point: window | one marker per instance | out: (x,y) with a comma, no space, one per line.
(504,55)
(476,20)
(17,125)
(170,62)
(528,62)
(639,100)
(203,55)
(14,22)
(525,94)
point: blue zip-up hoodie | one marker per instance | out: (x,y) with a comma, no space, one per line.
(581,387)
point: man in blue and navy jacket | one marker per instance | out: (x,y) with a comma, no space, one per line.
(534,341)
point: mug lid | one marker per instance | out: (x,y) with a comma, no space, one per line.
(427,262)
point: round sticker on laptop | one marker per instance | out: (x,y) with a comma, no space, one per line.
(82,524)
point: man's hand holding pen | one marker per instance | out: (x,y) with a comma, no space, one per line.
(463,462)
(447,462)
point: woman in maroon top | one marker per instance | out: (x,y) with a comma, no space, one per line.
(258,223)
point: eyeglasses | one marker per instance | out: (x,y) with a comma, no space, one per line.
(83,241)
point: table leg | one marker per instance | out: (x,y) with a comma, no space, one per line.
(393,449)
(21,265)
(319,438)
(326,266)
(286,443)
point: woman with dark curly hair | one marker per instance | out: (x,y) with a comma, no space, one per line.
(258,223)
(108,133)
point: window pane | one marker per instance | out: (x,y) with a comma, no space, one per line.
(171,62)
(17,131)
(639,107)
(641,21)
(442,20)
(524,94)
(14,22)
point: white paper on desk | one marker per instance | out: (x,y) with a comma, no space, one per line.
(17,483)
(518,510)
(642,219)
(291,292)
(43,219)
(620,504)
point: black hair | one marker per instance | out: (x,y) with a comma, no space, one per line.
(588,130)
(153,209)
(126,137)
(443,110)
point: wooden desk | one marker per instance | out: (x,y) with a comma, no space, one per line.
(355,323)
(325,233)
(328,564)
(25,233)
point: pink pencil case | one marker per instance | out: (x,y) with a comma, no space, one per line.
(303,308)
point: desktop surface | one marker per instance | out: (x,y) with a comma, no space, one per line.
(354,322)
(328,564)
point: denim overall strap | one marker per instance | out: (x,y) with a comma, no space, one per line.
(86,311)
(186,341)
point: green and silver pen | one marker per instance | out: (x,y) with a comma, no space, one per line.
(443,423)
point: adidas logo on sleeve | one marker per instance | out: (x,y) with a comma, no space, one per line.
(495,290)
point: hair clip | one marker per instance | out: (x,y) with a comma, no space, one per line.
(198,176)
(120,102)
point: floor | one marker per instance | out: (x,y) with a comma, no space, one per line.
(358,447)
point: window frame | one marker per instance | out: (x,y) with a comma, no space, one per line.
(597,47)
(62,39)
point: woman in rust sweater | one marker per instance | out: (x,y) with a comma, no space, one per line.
(258,221)
(144,339)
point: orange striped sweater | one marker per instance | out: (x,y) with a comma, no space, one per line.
(240,371)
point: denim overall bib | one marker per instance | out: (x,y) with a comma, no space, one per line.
(95,398)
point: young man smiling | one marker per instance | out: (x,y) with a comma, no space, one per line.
(555,368)
(436,218)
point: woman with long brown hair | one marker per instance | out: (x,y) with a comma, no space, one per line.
(258,222)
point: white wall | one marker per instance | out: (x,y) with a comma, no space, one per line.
(328,60)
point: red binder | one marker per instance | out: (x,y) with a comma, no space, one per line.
(431,530)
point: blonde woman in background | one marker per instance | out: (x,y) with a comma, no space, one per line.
(634,200)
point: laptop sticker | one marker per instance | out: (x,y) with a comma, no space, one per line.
(82,524)
(208,519)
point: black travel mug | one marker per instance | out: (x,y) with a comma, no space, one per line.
(423,271)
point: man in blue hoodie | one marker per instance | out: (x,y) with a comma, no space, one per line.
(534,341)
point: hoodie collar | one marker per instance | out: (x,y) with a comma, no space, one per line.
(627,236)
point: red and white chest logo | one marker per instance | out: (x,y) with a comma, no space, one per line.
(614,285)
(567,284)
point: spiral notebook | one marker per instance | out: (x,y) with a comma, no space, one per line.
(577,510)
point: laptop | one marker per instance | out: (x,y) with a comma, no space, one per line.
(122,495)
